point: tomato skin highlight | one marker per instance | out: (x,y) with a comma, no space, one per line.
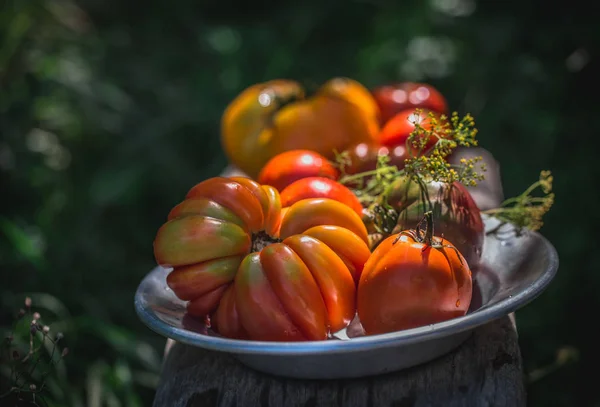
(407,284)
(319,187)
(291,166)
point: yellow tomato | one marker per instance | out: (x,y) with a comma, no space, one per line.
(276,116)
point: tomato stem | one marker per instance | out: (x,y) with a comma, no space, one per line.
(281,103)
(261,240)
(428,238)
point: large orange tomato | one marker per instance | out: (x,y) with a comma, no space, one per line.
(272,117)
(258,274)
(319,187)
(290,166)
(413,279)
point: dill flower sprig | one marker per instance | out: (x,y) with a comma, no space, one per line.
(527,210)
(424,164)
(430,164)
(29,367)
(430,143)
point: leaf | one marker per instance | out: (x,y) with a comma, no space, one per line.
(26,244)
(126,343)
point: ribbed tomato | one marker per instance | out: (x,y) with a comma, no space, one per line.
(319,187)
(413,279)
(288,167)
(258,274)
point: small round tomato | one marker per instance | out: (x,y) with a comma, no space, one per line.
(398,129)
(257,273)
(412,280)
(363,157)
(319,187)
(285,168)
(395,98)
(457,216)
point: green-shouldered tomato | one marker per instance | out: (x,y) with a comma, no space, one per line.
(261,271)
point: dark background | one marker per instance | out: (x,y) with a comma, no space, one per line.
(109,113)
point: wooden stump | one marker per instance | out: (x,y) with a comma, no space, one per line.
(484,371)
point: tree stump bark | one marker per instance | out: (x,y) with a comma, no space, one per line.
(484,371)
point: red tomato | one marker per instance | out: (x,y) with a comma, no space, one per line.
(409,282)
(285,168)
(395,98)
(457,216)
(398,129)
(363,157)
(319,187)
(259,274)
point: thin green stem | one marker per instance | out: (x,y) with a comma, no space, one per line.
(531,188)
(353,177)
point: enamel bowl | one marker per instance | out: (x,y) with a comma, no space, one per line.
(514,271)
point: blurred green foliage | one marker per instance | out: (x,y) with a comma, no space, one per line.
(109,112)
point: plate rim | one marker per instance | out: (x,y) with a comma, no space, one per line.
(363,343)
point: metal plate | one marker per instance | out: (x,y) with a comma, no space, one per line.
(515,270)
